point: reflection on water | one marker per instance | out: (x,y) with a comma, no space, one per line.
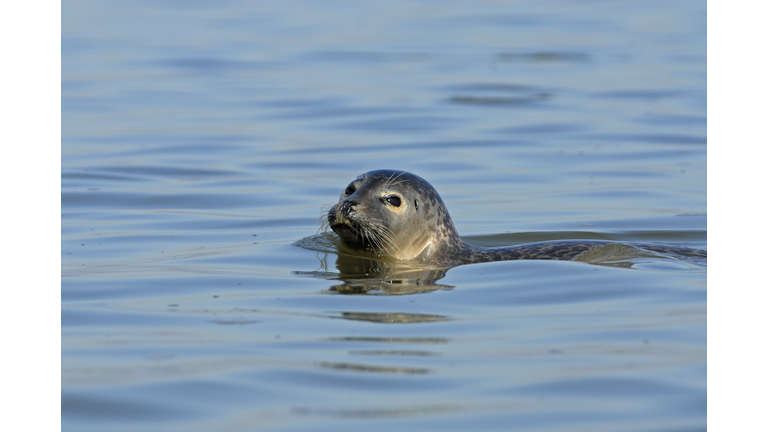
(408,340)
(393,318)
(361,275)
(237,321)
(499,100)
(384,285)
(372,276)
(500,94)
(544,57)
(404,353)
(367,275)
(373,369)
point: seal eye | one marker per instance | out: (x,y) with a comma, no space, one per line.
(349,190)
(393,200)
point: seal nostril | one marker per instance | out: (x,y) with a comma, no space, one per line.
(347,207)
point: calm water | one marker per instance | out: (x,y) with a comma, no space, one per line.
(200,142)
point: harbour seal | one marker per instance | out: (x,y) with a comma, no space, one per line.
(396,215)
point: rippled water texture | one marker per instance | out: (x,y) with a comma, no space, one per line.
(201,142)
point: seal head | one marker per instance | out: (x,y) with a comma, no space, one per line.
(393,214)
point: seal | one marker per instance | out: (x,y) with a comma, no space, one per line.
(399,216)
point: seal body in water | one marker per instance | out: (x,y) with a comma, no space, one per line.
(398,215)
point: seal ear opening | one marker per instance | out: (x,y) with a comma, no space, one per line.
(416,204)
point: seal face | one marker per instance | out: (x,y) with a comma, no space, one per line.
(392,214)
(400,216)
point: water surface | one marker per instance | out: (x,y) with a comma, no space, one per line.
(201,142)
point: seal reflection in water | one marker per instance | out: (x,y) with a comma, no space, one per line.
(396,215)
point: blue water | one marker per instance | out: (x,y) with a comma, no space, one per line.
(201,141)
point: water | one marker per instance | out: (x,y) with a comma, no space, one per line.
(201,141)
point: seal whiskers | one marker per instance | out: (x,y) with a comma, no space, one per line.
(380,237)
